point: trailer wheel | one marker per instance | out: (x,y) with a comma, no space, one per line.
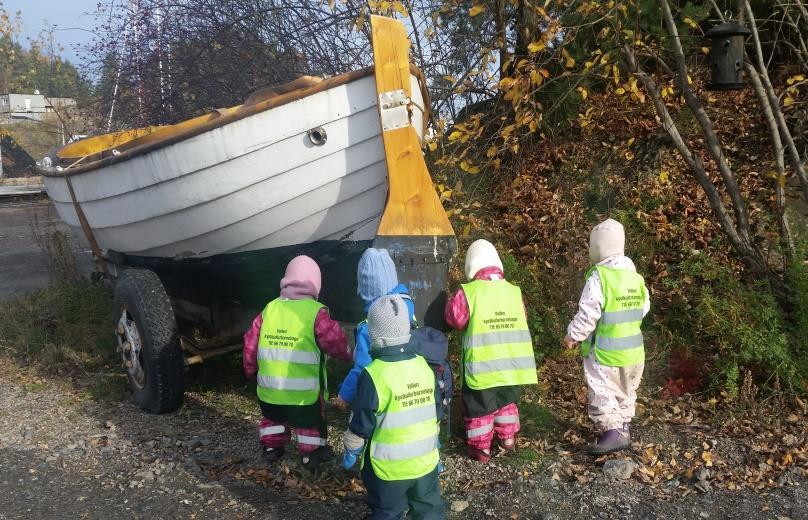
(148,341)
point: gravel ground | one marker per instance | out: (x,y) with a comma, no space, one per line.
(65,455)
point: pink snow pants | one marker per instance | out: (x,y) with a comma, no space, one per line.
(275,435)
(503,422)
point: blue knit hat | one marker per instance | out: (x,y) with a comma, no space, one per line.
(376,274)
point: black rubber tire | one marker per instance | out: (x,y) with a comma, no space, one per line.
(143,295)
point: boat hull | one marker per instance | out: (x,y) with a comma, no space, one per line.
(255,184)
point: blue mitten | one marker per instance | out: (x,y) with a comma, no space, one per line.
(354,445)
(440,462)
(349,458)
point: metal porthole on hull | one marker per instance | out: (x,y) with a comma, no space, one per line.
(317,136)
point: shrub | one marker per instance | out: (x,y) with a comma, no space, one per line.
(797,277)
(543,318)
(743,322)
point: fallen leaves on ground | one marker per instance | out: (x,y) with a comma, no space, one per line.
(679,443)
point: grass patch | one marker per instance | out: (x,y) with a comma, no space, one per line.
(34,387)
(538,421)
(63,326)
(110,388)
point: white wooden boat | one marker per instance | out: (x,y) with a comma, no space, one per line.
(259,177)
(195,222)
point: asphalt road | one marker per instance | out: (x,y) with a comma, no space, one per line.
(24,263)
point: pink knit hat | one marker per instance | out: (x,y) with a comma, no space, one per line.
(302,279)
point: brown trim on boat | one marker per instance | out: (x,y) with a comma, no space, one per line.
(107,157)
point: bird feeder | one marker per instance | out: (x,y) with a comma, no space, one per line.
(726,56)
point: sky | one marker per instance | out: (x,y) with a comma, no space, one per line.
(70,15)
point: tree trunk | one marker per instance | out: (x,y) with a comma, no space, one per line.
(774,101)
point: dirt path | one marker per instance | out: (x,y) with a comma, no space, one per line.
(23,263)
(66,455)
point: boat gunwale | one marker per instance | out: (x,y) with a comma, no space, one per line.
(247,111)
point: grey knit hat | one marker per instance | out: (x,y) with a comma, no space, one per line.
(389,322)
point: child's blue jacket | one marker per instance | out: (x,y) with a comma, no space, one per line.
(347,390)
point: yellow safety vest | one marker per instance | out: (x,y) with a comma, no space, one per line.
(404,444)
(289,361)
(617,339)
(497,347)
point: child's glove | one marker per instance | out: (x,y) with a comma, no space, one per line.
(440,462)
(354,445)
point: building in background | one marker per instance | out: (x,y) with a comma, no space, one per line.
(31,106)
(31,126)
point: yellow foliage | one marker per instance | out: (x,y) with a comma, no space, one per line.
(536,46)
(506,83)
(469,168)
(569,62)
(691,23)
(400,9)
(476,9)
(454,136)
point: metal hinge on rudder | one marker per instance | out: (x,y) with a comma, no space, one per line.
(394,109)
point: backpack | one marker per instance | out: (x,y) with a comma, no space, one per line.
(433,346)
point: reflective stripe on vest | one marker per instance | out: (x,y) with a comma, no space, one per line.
(617,338)
(404,444)
(289,383)
(295,356)
(497,347)
(496,338)
(407,417)
(406,451)
(289,361)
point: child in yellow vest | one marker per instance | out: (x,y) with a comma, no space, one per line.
(285,347)
(607,325)
(394,424)
(497,351)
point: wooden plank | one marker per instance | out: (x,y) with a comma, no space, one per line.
(413,207)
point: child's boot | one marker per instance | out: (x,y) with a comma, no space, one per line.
(272,454)
(611,441)
(313,459)
(480,455)
(508,444)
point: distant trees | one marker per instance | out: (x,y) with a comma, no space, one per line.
(36,67)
